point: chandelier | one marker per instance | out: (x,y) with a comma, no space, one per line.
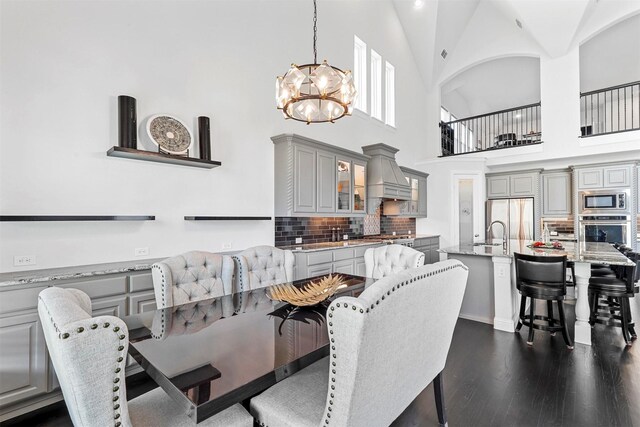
(315,93)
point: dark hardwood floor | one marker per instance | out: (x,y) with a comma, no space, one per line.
(494,379)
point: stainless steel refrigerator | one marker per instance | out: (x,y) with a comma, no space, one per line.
(517,214)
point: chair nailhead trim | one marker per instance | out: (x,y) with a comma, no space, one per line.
(65,336)
(393,289)
(94,326)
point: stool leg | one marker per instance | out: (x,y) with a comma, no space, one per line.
(573,274)
(551,320)
(523,305)
(625,322)
(632,329)
(593,306)
(532,308)
(563,323)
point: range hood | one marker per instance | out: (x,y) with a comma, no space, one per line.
(385,180)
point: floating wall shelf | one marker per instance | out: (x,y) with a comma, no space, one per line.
(227,218)
(22,218)
(151,156)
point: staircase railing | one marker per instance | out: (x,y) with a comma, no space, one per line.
(610,110)
(501,129)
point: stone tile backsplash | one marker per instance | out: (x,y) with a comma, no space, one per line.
(314,229)
(559,225)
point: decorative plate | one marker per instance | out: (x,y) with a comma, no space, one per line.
(169,133)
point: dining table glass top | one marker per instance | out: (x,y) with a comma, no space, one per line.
(210,354)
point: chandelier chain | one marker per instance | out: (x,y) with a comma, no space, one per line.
(315,32)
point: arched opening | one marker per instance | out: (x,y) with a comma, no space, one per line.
(494,104)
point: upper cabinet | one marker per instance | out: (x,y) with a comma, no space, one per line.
(616,176)
(556,194)
(512,185)
(417,206)
(313,178)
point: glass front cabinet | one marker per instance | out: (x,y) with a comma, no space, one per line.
(359,187)
(351,188)
(344,185)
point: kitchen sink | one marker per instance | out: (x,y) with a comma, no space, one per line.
(487,244)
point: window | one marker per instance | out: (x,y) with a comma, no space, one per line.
(376,85)
(360,73)
(390,95)
(444,115)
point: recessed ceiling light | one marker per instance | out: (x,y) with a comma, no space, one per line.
(417,4)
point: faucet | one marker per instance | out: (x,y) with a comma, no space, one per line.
(504,232)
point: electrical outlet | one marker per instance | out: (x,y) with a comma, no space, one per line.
(393,233)
(298,240)
(141,251)
(227,245)
(22,260)
(409,232)
(345,237)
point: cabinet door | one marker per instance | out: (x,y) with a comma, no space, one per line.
(22,358)
(556,194)
(590,178)
(326,182)
(359,187)
(345,267)
(319,270)
(415,196)
(361,267)
(498,186)
(422,197)
(523,185)
(304,180)
(617,176)
(141,302)
(343,177)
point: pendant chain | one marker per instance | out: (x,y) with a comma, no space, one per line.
(315,32)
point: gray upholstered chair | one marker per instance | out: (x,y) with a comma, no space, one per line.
(191,277)
(89,355)
(387,345)
(386,260)
(263,266)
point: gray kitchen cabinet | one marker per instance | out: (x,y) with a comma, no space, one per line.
(606,176)
(429,246)
(142,302)
(304,198)
(349,260)
(23,363)
(417,206)
(556,194)
(312,178)
(498,186)
(638,191)
(512,185)
(326,183)
(617,176)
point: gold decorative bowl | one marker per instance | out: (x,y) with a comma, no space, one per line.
(311,293)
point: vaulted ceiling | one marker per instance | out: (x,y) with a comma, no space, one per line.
(528,27)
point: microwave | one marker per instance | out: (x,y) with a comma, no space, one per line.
(604,201)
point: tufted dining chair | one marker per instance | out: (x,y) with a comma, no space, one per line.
(386,260)
(89,356)
(191,277)
(372,349)
(263,266)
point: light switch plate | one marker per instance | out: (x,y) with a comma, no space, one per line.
(298,240)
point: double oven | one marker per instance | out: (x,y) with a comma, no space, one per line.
(605,216)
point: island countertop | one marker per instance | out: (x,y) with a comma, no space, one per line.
(590,252)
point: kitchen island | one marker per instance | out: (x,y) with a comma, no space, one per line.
(491,290)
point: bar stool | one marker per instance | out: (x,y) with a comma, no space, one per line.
(542,278)
(609,299)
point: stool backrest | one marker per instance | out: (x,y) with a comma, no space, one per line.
(542,270)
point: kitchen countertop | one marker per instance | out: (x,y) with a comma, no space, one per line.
(586,252)
(313,247)
(77,272)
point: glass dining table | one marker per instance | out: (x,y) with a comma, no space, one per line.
(211,354)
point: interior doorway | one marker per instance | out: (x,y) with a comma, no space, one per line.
(467,207)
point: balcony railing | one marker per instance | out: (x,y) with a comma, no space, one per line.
(610,110)
(501,129)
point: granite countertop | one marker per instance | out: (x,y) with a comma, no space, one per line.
(586,252)
(425,236)
(313,247)
(65,273)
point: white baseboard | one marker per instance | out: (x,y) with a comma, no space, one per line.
(476,318)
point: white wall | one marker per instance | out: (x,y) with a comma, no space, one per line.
(63,64)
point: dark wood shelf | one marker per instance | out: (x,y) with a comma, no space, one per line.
(227,218)
(151,156)
(24,218)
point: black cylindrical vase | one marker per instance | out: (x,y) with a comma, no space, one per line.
(127,122)
(204,137)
